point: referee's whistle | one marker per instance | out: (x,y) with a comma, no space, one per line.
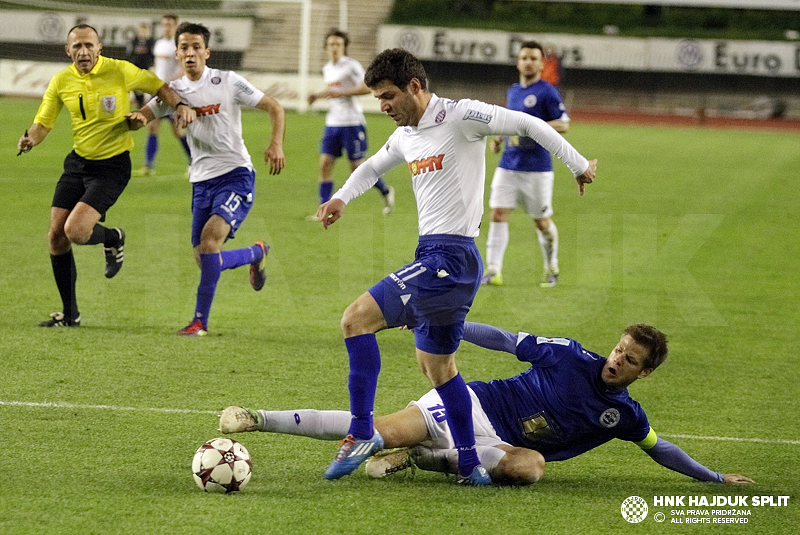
(20,150)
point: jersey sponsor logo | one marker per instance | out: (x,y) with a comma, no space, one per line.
(557,341)
(609,418)
(109,104)
(536,427)
(475,115)
(211,109)
(530,101)
(216,80)
(440,117)
(245,88)
(425,165)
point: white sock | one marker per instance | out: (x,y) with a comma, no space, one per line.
(447,460)
(548,241)
(496,243)
(323,425)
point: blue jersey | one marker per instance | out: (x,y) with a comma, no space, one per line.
(559,406)
(541,100)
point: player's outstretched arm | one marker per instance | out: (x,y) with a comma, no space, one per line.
(184,114)
(273,154)
(671,456)
(490,337)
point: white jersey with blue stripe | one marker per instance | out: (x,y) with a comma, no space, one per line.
(446,155)
(559,406)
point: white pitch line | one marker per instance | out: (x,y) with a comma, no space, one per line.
(51,405)
(736,439)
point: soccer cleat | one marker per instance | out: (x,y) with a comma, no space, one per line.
(195,328)
(258,270)
(352,453)
(386,463)
(388,201)
(58,319)
(239,420)
(115,255)
(478,478)
(549,279)
(492,279)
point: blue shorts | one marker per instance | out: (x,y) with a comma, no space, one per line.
(433,294)
(229,196)
(353,139)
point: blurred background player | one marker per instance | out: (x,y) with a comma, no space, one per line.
(525,172)
(345,125)
(167,68)
(99,166)
(140,52)
(222,174)
(581,394)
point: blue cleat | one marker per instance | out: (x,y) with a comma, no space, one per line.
(352,453)
(478,478)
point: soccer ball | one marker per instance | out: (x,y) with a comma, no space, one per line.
(221,465)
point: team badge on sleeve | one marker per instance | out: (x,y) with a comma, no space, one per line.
(609,418)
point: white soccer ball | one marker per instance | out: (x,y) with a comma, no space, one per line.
(221,465)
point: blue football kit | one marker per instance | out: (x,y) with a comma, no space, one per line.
(541,100)
(559,406)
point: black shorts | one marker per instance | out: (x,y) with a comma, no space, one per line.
(98,183)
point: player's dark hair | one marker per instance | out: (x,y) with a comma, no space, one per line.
(338,33)
(532,44)
(83,26)
(651,339)
(194,29)
(396,65)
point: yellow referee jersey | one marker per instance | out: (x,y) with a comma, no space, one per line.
(97,102)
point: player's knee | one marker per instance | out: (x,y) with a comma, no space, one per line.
(57,241)
(543,224)
(76,233)
(521,467)
(353,322)
(499,215)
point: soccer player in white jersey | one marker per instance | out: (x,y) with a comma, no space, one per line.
(166,67)
(222,174)
(443,143)
(345,126)
(525,173)
(569,401)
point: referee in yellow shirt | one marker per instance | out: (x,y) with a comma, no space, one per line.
(95,90)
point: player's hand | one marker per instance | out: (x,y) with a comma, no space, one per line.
(588,176)
(330,212)
(184,116)
(737,479)
(136,120)
(273,155)
(25,143)
(495,143)
(311,98)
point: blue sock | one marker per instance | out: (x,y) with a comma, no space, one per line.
(325,192)
(365,365)
(186,148)
(458,410)
(239,257)
(382,187)
(209,275)
(150,152)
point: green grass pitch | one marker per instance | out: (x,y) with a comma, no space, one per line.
(694,230)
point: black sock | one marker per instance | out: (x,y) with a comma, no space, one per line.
(66,274)
(109,237)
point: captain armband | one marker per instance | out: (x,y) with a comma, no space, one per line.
(649,441)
